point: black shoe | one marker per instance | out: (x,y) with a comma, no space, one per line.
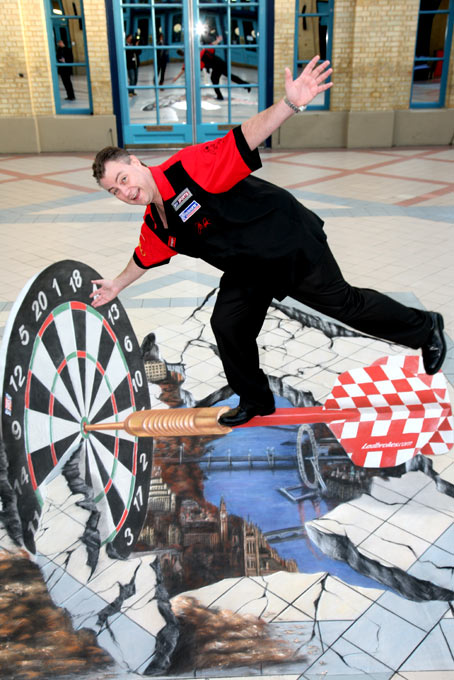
(434,349)
(239,415)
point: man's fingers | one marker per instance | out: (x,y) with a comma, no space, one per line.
(321,69)
(324,75)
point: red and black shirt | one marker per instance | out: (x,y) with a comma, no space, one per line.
(237,223)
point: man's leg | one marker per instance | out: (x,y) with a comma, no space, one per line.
(237,318)
(131,78)
(366,310)
(215,77)
(66,79)
(240,81)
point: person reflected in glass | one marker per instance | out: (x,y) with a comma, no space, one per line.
(64,56)
(132,63)
(217,67)
(163,60)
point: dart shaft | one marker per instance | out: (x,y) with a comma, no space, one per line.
(169,422)
(319,414)
(302,416)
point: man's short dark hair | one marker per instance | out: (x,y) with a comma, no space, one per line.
(109,153)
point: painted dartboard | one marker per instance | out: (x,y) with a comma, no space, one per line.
(64,364)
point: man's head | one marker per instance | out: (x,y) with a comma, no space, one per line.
(124,176)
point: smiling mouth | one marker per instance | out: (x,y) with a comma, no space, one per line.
(135,196)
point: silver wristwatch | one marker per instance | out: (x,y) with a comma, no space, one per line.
(294,107)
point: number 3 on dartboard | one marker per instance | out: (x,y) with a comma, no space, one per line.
(129,536)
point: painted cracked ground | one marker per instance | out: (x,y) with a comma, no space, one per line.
(264,552)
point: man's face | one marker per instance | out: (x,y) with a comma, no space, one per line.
(131,182)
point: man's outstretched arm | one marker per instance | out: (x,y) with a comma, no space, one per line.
(299,92)
(108,290)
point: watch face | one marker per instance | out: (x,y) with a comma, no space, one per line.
(63,364)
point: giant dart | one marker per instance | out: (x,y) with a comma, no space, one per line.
(382,415)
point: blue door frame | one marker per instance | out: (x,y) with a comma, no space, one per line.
(177,111)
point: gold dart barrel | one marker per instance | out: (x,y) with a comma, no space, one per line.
(169,423)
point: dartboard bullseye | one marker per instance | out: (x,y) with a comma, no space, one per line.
(65,365)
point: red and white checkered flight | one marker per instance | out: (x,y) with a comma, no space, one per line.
(402,411)
(383,414)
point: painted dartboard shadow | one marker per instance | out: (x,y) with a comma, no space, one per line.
(63,364)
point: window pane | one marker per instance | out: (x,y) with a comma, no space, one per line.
(313,36)
(154,58)
(68,56)
(431,34)
(308,31)
(429,55)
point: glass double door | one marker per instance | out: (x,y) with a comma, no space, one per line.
(188,71)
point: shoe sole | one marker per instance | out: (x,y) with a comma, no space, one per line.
(227,424)
(440,326)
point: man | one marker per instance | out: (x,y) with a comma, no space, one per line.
(203,203)
(64,56)
(132,64)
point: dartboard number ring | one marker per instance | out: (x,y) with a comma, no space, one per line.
(65,364)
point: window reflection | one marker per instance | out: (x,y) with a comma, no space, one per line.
(430,53)
(70,56)
(226,62)
(313,36)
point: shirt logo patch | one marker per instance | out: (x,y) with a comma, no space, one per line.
(8,404)
(190,210)
(181,198)
(171,241)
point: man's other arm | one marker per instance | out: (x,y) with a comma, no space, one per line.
(109,289)
(299,92)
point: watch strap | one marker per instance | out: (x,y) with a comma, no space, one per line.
(294,107)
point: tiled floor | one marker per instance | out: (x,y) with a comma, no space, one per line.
(389,218)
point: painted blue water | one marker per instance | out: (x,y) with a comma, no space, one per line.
(254,495)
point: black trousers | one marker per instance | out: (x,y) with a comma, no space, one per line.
(67,83)
(218,69)
(240,311)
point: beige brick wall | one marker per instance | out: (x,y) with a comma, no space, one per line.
(98,56)
(450,87)
(382,54)
(284,36)
(37,55)
(342,54)
(24,49)
(24,63)
(373,51)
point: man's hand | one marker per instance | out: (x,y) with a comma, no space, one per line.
(106,292)
(309,83)
(299,92)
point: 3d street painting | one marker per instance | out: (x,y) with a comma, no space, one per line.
(195,553)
